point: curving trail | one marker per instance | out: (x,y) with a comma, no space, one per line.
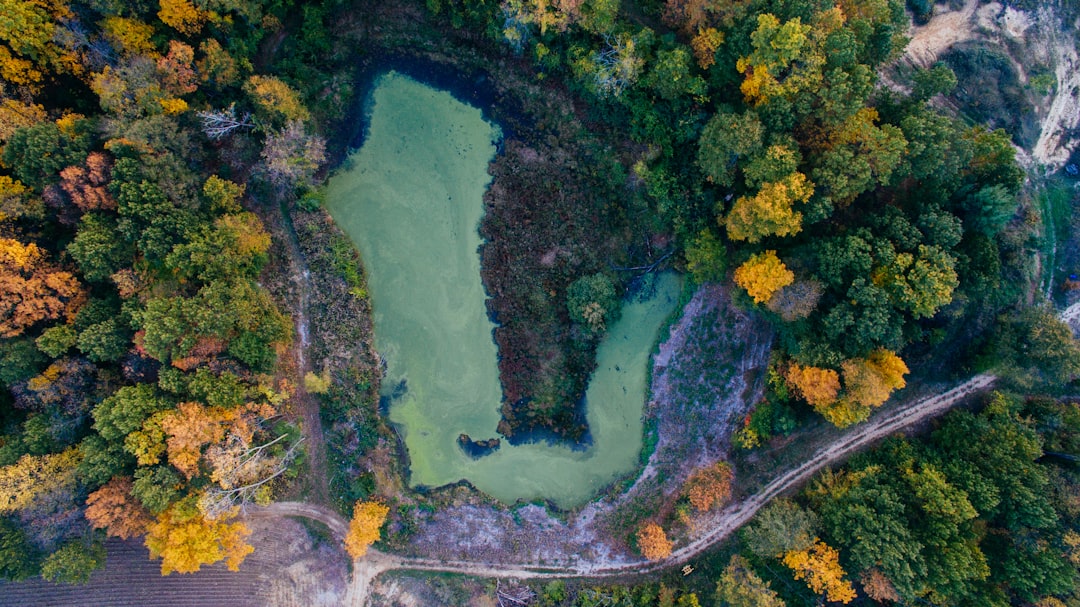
(724,524)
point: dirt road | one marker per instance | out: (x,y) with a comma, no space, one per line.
(724,524)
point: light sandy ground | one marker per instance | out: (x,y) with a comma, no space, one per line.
(1042,38)
(944,30)
(722,525)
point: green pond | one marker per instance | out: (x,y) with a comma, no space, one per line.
(411,200)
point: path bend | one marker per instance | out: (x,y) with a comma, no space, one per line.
(725,522)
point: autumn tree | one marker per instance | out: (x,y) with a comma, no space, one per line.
(277,103)
(185,540)
(33,475)
(705,44)
(73,562)
(364,528)
(797,300)
(615,66)
(739,586)
(28,50)
(16,114)
(189,429)
(247,461)
(877,586)
(182,16)
(85,185)
(291,156)
(709,486)
(820,566)
(653,542)
(763,275)
(784,60)
(818,387)
(869,381)
(113,508)
(771,211)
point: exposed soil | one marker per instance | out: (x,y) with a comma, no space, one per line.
(1030,40)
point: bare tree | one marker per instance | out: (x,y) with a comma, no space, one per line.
(221,123)
(513,595)
(242,472)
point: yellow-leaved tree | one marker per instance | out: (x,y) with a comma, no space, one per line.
(763,275)
(653,542)
(820,566)
(181,15)
(818,387)
(185,540)
(33,475)
(367,520)
(770,212)
(868,382)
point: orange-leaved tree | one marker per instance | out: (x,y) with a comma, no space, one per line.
(189,428)
(818,387)
(709,486)
(820,566)
(367,520)
(763,275)
(113,508)
(32,290)
(185,540)
(869,381)
(653,542)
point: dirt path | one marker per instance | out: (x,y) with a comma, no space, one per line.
(306,403)
(723,525)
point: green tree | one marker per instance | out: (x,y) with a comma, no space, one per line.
(781,527)
(126,409)
(670,75)
(923,282)
(73,563)
(156,487)
(739,586)
(105,341)
(706,258)
(936,80)
(726,139)
(18,558)
(593,302)
(98,248)
(38,153)
(56,341)
(1034,346)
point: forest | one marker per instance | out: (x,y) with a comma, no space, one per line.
(155,155)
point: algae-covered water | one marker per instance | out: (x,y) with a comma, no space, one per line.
(411,200)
